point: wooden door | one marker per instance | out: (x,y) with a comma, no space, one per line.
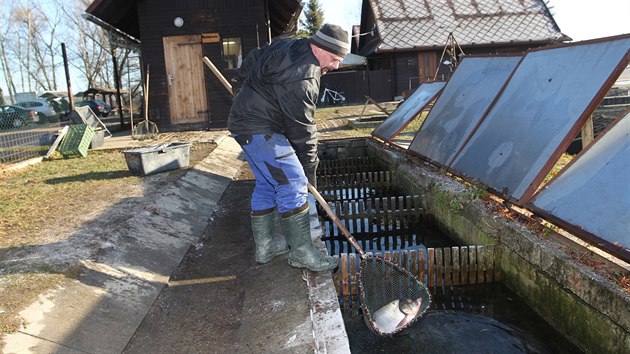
(185,76)
(427,66)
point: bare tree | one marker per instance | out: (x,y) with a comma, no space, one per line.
(30,47)
(91,52)
(42,46)
(88,46)
(4,58)
(6,69)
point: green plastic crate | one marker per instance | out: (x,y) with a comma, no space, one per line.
(77,141)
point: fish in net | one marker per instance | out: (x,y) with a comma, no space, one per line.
(392,298)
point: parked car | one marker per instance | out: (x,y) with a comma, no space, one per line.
(100,108)
(44,110)
(15,117)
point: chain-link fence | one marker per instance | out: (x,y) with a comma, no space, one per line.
(24,134)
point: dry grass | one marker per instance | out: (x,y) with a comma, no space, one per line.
(333,121)
(623,280)
(46,194)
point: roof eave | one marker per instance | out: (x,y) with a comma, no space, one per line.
(563,38)
(128,40)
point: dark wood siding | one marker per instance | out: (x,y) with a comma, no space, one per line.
(230,18)
(355,85)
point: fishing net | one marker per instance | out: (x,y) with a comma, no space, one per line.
(392,299)
(382,284)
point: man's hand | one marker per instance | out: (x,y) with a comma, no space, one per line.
(310,170)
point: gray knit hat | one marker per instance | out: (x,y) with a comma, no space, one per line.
(333,39)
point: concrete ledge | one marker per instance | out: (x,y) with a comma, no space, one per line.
(329,329)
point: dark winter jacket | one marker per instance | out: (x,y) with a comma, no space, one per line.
(279,95)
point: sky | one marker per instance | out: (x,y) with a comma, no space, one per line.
(578,19)
(583,19)
(344,13)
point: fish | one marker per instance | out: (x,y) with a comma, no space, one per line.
(396,314)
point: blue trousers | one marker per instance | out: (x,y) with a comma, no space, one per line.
(280,179)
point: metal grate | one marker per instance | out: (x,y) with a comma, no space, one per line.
(26,143)
(24,134)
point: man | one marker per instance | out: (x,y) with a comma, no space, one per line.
(272,119)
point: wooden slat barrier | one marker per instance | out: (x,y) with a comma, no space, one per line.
(436,267)
(346,166)
(391,220)
(353,186)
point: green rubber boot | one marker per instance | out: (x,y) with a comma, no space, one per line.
(297,230)
(268,246)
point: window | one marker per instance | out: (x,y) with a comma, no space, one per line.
(232,52)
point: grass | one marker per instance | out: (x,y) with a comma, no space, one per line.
(563,161)
(39,195)
(413,127)
(340,115)
(559,165)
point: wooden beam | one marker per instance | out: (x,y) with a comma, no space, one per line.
(218,74)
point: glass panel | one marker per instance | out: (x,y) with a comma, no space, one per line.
(466,97)
(232,53)
(541,104)
(594,191)
(408,110)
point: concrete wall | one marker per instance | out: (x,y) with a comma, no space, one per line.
(586,308)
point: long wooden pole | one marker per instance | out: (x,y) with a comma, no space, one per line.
(335,219)
(218,74)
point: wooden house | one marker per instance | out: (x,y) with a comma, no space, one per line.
(174,36)
(408,42)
